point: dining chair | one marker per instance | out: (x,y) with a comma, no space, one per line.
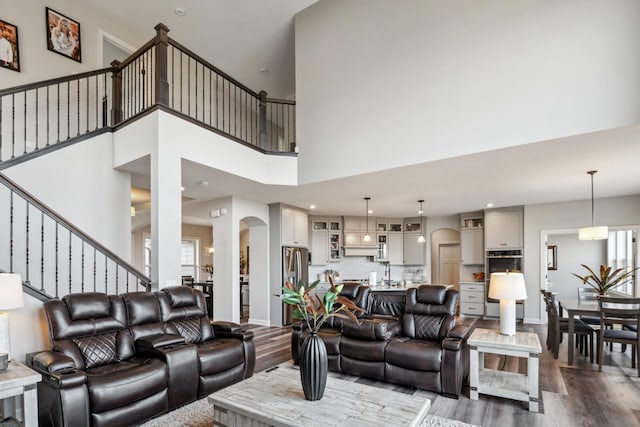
(619,311)
(588,294)
(558,326)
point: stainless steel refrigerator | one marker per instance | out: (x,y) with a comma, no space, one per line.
(295,267)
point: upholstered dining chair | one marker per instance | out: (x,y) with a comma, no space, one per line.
(619,311)
(558,326)
(588,294)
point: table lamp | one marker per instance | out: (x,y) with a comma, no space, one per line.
(11,297)
(507,287)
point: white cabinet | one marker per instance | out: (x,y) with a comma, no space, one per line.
(355,228)
(413,251)
(295,228)
(471,246)
(472,299)
(396,248)
(326,240)
(503,228)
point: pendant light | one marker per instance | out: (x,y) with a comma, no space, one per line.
(421,238)
(593,232)
(367,236)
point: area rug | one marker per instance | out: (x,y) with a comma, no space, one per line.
(200,414)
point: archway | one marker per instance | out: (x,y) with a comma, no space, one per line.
(254,247)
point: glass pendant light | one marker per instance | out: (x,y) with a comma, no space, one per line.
(421,238)
(367,236)
(593,232)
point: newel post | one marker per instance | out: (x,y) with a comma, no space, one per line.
(161,70)
(263,120)
(116,93)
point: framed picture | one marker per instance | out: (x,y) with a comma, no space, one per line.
(63,35)
(552,257)
(9,54)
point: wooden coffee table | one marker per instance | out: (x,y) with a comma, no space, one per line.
(275,398)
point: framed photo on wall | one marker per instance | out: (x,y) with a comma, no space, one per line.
(552,257)
(9,53)
(63,35)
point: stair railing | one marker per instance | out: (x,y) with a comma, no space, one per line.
(53,256)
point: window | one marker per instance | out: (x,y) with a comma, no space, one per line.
(188,256)
(621,253)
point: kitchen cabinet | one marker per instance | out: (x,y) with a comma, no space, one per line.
(471,246)
(472,298)
(413,251)
(326,240)
(295,228)
(355,228)
(504,228)
(396,249)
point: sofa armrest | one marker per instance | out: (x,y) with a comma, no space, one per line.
(230,330)
(456,338)
(154,342)
(51,362)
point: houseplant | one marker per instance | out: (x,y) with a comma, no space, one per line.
(314,311)
(607,279)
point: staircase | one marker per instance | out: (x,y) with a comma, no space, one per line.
(55,257)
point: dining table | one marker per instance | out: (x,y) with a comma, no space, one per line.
(576,307)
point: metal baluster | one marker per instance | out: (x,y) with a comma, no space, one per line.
(173,73)
(216,126)
(95,269)
(78,107)
(116,278)
(1,128)
(144,96)
(210,103)
(37,114)
(97,107)
(180,94)
(104,82)
(86,129)
(25,123)
(70,257)
(106,275)
(27,241)
(68,110)
(82,268)
(42,251)
(58,110)
(13,126)
(56,253)
(188,85)
(195,83)
(203,104)
(11,231)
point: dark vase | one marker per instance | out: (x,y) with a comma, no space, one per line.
(313,367)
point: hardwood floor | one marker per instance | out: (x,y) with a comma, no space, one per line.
(575,395)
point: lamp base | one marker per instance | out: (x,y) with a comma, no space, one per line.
(5,336)
(507,317)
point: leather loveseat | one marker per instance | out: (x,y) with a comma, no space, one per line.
(120,360)
(422,347)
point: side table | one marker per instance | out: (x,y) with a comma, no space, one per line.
(19,380)
(511,385)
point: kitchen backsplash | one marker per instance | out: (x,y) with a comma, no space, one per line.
(359,268)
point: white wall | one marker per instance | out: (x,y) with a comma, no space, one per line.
(445,78)
(572,252)
(540,218)
(36,62)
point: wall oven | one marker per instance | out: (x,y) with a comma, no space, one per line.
(501,261)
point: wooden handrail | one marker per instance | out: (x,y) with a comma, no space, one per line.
(54,81)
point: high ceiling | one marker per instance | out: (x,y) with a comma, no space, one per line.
(242,37)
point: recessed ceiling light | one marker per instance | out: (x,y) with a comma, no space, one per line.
(179,11)
(312,206)
(181,188)
(204,183)
(370,211)
(489,205)
(264,70)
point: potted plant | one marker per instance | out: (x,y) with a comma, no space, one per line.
(607,279)
(314,311)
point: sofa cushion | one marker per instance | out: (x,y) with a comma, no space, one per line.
(414,354)
(365,350)
(180,296)
(118,384)
(219,355)
(97,350)
(371,329)
(88,305)
(189,329)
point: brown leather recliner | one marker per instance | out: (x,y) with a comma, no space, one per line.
(224,352)
(120,360)
(429,354)
(93,375)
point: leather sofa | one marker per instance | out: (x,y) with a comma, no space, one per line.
(120,360)
(420,347)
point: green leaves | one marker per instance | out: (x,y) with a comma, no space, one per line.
(314,311)
(605,279)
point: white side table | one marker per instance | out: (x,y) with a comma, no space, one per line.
(511,385)
(19,380)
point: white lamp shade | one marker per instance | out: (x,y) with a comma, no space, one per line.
(593,233)
(10,291)
(507,286)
